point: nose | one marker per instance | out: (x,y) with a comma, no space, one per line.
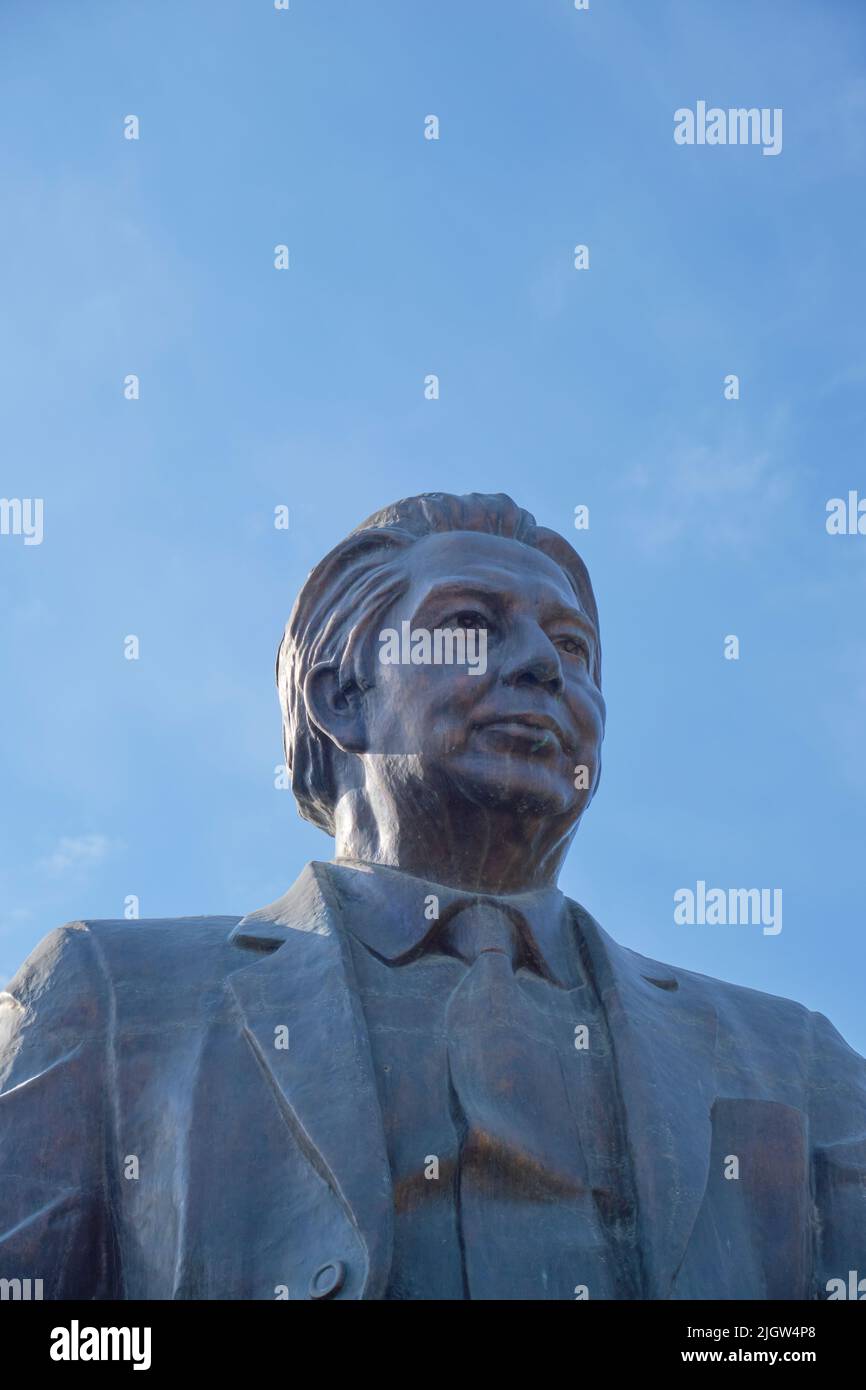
(534,662)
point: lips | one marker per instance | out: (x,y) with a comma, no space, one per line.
(525,725)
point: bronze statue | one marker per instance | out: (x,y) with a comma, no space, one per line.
(423,1073)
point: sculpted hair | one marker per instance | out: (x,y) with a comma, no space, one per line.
(339,609)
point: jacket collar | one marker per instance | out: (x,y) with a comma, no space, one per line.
(398,915)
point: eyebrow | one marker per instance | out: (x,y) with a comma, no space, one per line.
(558,612)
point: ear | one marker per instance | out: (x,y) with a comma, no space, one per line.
(335,710)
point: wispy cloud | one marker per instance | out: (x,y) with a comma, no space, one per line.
(844,714)
(719,495)
(76,852)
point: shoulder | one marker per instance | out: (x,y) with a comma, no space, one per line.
(75,964)
(758,1035)
(738,1004)
(172,935)
(776,1019)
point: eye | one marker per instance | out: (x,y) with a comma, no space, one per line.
(575,646)
(468,618)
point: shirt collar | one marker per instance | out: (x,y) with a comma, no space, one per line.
(396,915)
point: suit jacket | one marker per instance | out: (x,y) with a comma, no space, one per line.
(159,1139)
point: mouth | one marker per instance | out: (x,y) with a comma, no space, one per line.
(541,730)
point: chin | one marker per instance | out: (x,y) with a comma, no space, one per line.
(519,788)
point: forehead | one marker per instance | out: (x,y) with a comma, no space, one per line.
(494,563)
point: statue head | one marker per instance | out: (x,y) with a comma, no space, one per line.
(440,683)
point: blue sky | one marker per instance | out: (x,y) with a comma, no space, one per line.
(601,387)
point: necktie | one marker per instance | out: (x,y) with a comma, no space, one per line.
(520,1158)
(483,928)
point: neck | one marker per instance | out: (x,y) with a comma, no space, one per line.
(471,848)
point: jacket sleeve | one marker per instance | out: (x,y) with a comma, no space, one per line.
(56,1122)
(838,1130)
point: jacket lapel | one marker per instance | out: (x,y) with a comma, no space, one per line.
(663,1035)
(323,1081)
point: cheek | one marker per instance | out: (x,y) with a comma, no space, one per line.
(593,721)
(391,705)
(451,695)
(587,706)
(439,705)
(421,706)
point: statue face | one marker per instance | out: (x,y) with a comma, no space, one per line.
(514,733)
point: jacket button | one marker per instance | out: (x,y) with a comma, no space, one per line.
(328,1280)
